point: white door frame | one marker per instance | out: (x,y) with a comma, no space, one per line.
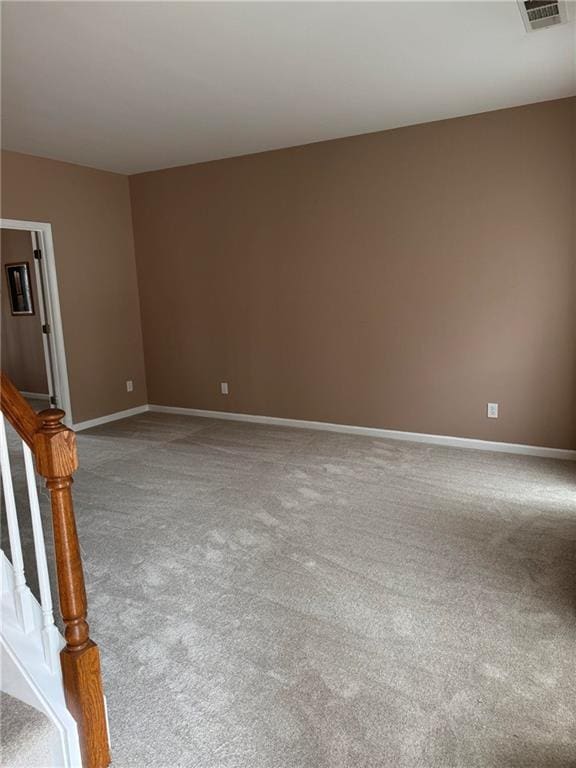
(56,336)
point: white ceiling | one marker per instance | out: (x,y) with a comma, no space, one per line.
(131,86)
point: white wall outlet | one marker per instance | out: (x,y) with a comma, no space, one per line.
(129,385)
(224,387)
(492,410)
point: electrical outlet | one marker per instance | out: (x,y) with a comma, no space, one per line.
(129,385)
(492,410)
(224,387)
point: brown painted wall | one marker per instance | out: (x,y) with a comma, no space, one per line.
(91,225)
(401,279)
(21,346)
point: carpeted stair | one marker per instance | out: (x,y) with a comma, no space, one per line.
(26,735)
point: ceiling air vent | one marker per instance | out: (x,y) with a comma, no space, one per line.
(539,14)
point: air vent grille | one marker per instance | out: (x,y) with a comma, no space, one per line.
(541,11)
(539,14)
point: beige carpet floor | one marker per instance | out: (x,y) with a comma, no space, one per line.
(282,598)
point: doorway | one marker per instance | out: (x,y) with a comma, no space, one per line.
(32,344)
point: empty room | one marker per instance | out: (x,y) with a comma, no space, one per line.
(288,386)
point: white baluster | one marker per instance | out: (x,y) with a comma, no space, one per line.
(22,596)
(50,635)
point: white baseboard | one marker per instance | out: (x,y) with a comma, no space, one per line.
(110,417)
(35,395)
(387,434)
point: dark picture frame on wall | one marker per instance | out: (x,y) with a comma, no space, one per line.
(20,288)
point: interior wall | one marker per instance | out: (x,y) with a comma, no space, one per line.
(89,211)
(22,351)
(401,279)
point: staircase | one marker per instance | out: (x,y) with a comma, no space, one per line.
(29,740)
(57,676)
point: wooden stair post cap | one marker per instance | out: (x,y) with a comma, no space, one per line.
(54,445)
(51,417)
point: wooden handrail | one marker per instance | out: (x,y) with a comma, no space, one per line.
(17,411)
(54,449)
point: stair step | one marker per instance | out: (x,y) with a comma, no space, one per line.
(27,736)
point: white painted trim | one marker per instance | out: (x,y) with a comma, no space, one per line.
(43,311)
(110,417)
(387,434)
(56,338)
(35,395)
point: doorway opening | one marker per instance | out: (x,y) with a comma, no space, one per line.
(32,341)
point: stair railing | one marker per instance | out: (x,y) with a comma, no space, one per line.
(53,447)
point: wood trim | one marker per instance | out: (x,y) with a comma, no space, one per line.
(17,411)
(56,461)
(84,698)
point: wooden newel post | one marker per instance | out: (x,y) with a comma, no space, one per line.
(56,461)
